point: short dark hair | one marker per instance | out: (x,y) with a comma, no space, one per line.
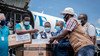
(25,15)
(85,16)
(48,23)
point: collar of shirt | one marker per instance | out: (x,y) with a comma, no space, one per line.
(86,25)
(2,27)
(48,35)
(27,27)
(3,30)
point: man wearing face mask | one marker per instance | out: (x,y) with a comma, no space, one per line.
(46,34)
(88,28)
(4,32)
(63,47)
(24,27)
(81,42)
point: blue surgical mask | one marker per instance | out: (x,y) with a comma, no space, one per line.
(47,29)
(58,28)
(26,22)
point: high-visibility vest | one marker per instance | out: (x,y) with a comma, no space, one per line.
(79,39)
(23,27)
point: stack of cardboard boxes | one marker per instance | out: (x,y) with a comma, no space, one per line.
(38,47)
(37,50)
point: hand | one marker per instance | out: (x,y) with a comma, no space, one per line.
(34,30)
(55,42)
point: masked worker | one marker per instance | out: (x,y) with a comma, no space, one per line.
(4,32)
(81,42)
(62,47)
(24,27)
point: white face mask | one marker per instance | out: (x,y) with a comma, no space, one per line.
(26,22)
(47,29)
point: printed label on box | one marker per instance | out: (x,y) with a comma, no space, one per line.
(23,37)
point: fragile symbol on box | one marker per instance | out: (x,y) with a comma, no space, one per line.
(23,37)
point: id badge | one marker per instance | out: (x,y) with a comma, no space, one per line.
(2,38)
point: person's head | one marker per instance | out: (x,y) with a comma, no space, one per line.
(2,19)
(47,27)
(68,13)
(26,19)
(83,19)
(59,25)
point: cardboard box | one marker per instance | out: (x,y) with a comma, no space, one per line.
(19,53)
(38,47)
(37,50)
(17,40)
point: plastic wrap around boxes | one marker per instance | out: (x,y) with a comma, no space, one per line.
(19,39)
(38,47)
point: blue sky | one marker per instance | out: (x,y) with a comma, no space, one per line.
(55,7)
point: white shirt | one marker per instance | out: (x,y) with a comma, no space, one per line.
(89,29)
(48,35)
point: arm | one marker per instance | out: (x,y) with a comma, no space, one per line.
(18,30)
(71,24)
(64,43)
(64,33)
(93,38)
(25,31)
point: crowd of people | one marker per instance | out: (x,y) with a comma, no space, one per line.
(78,38)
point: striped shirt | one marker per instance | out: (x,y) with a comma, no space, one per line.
(71,24)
